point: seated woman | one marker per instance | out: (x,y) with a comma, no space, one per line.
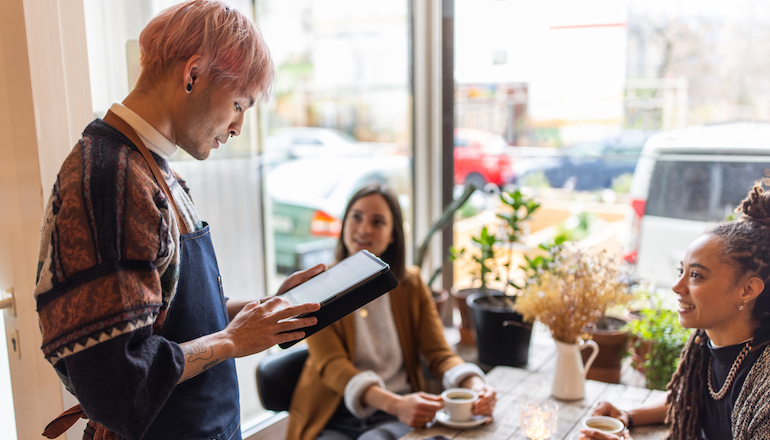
(363,377)
(721,389)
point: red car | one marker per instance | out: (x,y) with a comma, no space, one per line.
(480,157)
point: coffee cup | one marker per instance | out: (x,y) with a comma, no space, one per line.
(609,425)
(458,403)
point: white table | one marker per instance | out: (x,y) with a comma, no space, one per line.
(516,385)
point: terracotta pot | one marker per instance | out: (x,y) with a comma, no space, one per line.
(467,332)
(613,346)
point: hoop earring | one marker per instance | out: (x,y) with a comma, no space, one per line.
(741,306)
(189,87)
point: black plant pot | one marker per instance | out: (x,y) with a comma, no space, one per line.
(502,336)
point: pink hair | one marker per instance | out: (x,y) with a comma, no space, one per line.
(232,49)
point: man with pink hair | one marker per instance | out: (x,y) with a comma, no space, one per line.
(128,289)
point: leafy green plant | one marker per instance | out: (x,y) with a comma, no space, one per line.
(661,328)
(542,262)
(569,230)
(519,209)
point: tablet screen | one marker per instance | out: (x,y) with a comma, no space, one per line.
(339,278)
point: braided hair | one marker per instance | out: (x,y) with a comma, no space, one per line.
(745,245)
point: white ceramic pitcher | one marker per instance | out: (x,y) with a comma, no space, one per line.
(570,375)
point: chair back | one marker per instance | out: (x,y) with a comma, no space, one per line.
(277,376)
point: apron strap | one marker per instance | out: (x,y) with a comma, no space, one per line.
(119,124)
(64,422)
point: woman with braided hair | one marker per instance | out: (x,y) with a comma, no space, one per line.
(721,389)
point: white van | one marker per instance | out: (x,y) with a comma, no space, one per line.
(685,181)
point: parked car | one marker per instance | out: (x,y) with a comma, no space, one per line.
(587,165)
(686,180)
(319,141)
(309,196)
(481,157)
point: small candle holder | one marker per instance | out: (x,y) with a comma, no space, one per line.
(539,418)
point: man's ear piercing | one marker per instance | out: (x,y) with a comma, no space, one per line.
(189,87)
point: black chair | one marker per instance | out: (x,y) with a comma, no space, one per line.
(277,375)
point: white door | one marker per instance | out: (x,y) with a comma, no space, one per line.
(44,103)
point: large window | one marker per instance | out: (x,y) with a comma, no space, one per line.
(576,88)
(339,117)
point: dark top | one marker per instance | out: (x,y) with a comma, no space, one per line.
(717,417)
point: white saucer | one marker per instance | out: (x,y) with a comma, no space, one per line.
(443,418)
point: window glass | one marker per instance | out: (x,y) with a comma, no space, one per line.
(702,191)
(338,117)
(340,113)
(576,89)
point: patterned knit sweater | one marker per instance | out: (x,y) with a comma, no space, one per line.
(107,272)
(751,415)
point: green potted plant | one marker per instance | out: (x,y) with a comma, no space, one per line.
(496,324)
(658,341)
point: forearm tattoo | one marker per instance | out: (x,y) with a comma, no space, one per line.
(197,352)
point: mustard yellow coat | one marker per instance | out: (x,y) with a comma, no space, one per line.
(330,364)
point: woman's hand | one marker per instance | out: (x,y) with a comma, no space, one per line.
(417,409)
(607,409)
(593,434)
(485,406)
(300,277)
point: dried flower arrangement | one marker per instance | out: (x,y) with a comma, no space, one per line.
(574,291)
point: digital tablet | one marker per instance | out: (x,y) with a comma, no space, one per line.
(341,289)
(344,276)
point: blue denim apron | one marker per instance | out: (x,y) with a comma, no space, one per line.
(207,405)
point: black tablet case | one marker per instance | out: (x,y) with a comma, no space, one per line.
(347,303)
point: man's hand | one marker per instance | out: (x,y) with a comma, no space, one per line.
(417,409)
(257,326)
(260,325)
